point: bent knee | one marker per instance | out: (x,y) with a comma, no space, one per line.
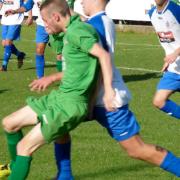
(7,124)
(40,50)
(159,103)
(10,124)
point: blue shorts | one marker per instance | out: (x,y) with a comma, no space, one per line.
(11,32)
(41,35)
(169,81)
(121,124)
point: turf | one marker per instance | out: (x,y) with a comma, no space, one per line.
(95,156)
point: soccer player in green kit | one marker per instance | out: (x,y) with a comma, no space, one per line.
(55,114)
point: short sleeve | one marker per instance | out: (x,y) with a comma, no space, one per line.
(83,37)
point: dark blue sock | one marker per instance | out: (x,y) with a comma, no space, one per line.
(171,164)
(15,51)
(172,109)
(40,63)
(63,160)
(7,54)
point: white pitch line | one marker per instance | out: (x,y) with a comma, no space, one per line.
(118,67)
(131,44)
(119,43)
(138,69)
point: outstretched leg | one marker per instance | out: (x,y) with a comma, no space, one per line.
(136,148)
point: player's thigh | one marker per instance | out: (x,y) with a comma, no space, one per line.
(4,34)
(13,32)
(31,141)
(4,30)
(120,124)
(23,117)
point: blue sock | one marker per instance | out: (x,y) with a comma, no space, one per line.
(40,63)
(7,54)
(171,163)
(63,161)
(172,109)
(15,51)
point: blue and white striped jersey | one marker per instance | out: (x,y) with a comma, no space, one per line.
(106,30)
(29,5)
(14,19)
(167,27)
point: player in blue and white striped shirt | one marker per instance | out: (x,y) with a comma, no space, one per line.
(165,18)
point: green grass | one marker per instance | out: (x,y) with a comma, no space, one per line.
(95,156)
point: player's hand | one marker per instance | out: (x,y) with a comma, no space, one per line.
(10,12)
(171,58)
(165,66)
(40,84)
(109,100)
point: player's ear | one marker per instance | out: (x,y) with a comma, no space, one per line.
(56,16)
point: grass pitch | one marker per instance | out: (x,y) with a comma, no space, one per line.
(95,156)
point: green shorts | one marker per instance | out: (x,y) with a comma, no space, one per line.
(58,114)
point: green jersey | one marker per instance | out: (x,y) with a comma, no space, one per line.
(56,42)
(80,74)
(70,3)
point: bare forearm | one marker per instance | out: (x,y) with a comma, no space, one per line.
(170,58)
(30,14)
(105,62)
(177,51)
(56,77)
(1,4)
(106,68)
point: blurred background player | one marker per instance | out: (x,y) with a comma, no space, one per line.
(165,18)
(42,37)
(11,28)
(55,41)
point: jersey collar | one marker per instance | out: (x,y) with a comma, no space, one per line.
(97,14)
(165,8)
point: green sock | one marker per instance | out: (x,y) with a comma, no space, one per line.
(59,65)
(20,168)
(12,141)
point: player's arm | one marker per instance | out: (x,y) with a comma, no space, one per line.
(173,56)
(29,20)
(44,82)
(106,67)
(24,8)
(1,4)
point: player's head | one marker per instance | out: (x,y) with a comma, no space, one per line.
(54,13)
(90,7)
(160,2)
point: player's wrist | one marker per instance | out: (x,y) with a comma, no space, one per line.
(177,52)
(14,11)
